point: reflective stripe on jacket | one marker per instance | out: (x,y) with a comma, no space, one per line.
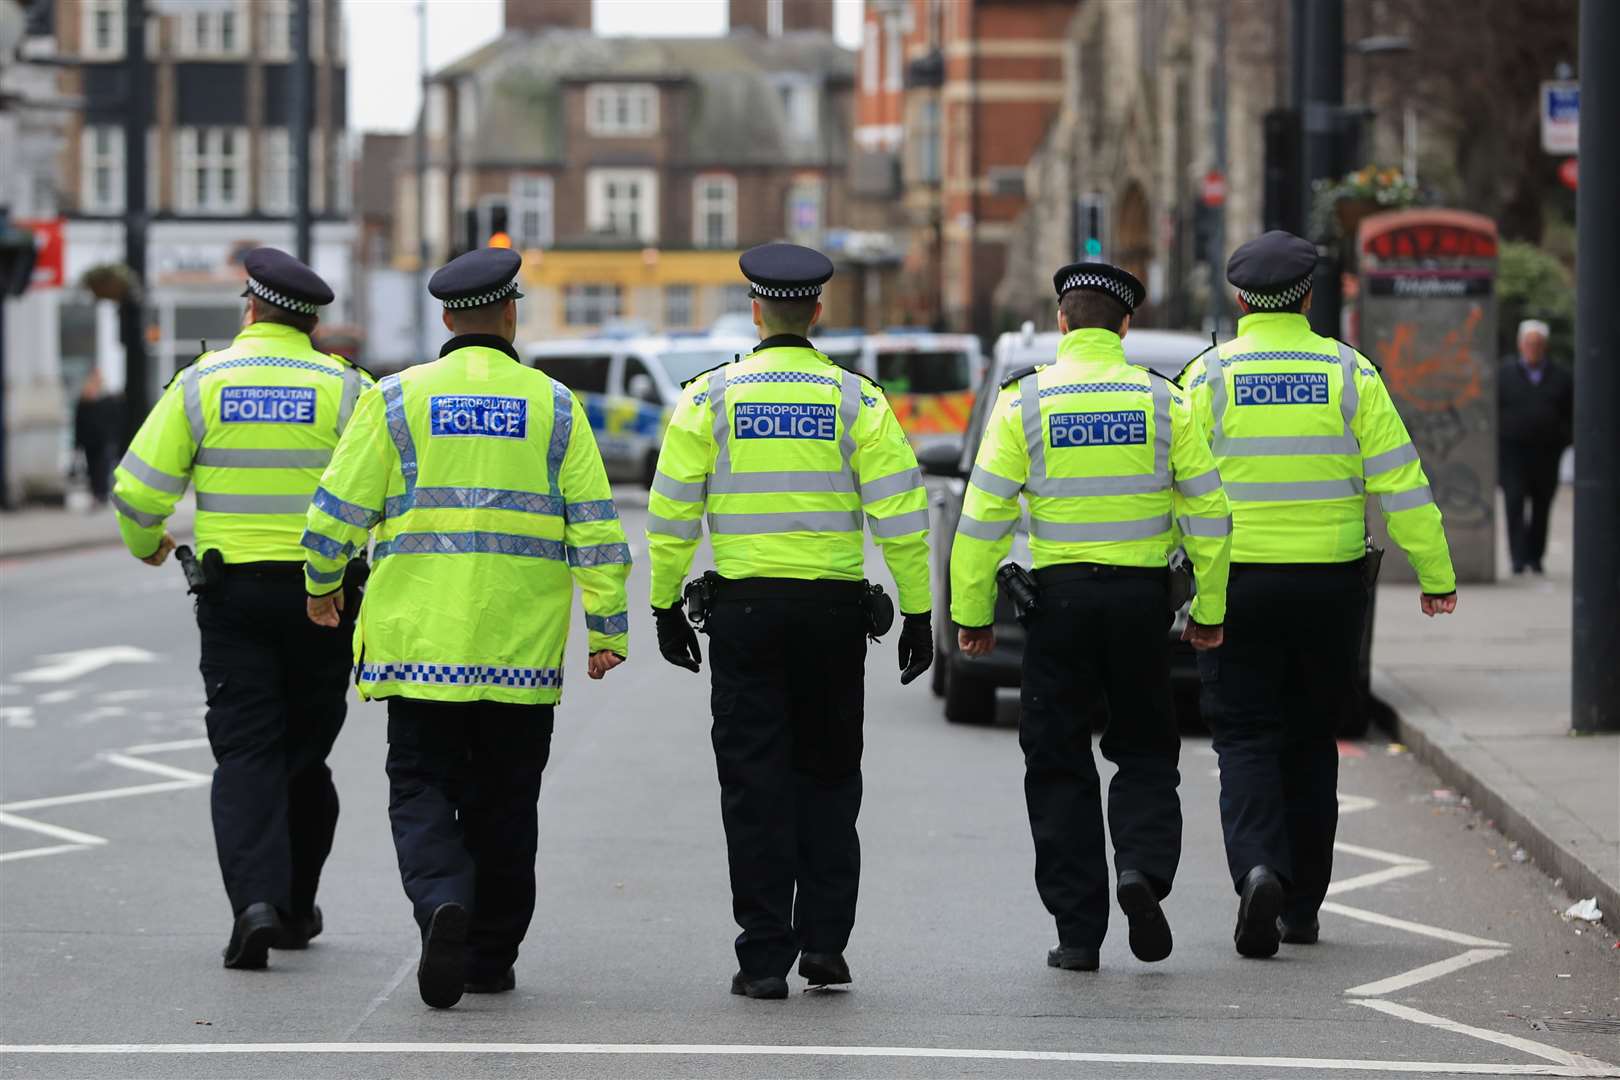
(1115,471)
(1304,429)
(785,455)
(489,500)
(252,426)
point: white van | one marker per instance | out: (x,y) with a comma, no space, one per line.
(929,379)
(1164,351)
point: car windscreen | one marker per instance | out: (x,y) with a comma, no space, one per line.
(924,371)
(686,363)
(583,373)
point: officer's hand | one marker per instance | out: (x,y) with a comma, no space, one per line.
(603,662)
(325,610)
(1439,605)
(677,641)
(976,642)
(1203,638)
(916,646)
(161,555)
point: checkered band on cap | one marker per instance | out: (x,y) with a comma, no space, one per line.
(1272,301)
(1112,286)
(480,299)
(792,292)
(281,300)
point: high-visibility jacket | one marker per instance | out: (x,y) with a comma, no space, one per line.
(1114,467)
(252,426)
(489,500)
(782,451)
(1303,429)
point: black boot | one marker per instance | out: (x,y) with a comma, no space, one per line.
(1150,931)
(1073,958)
(1262,899)
(824,969)
(441,974)
(1303,932)
(766,987)
(500,984)
(256,929)
(296,932)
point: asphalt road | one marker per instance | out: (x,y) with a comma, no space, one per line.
(1442,956)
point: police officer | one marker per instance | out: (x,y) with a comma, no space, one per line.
(253,425)
(783,451)
(486,490)
(1303,429)
(1116,473)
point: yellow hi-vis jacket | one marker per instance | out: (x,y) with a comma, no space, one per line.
(784,450)
(1303,428)
(489,499)
(252,425)
(1116,471)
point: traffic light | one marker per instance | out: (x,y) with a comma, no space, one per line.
(1090,227)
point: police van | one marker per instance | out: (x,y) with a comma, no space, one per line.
(929,379)
(628,387)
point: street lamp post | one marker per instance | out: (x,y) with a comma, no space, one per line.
(132,307)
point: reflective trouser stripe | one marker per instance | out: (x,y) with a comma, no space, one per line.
(899,525)
(1295,490)
(1095,531)
(999,486)
(1283,445)
(139,517)
(217,458)
(1390,459)
(153,478)
(681,491)
(830,521)
(1203,526)
(894,484)
(1202,484)
(1406,500)
(608,624)
(353,383)
(217,503)
(191,395)
(985,530)
(681,528)
(780,483)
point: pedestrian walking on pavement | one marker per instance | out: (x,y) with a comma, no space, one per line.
(489,499)
(1117,474)
(1303,429)
(1535,418)
(252,425)
(783,451)
(98,423)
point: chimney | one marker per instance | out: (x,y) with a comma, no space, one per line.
(548,15)
(773,18)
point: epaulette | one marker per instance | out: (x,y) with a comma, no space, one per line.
(181,370)
(858,374)
(1014,376)
(1358,352)
(1184,367)
(710,371)
(340,358)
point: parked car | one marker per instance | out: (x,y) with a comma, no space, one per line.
(968,684)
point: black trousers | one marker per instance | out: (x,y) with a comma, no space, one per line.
(1529,475)
(277,686)
(1274,695)
(788,701)
(1099,643)
(463,788)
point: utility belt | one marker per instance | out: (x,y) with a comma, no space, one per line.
(210,571)
(1024,588)
(703,592)
(1366,567)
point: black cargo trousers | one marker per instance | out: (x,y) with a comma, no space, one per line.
(1099,640)
(277,688)
(788,662)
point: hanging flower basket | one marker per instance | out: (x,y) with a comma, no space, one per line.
(112,281)
(1338,206)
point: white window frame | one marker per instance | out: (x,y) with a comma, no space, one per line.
(582,299)
(203,31)
(90,11)
(714,194)
(773,18)
(204,150)
(274,30)
(275,172)
(804,186)
(672,308)
(531,194)
(108,156)
(621,110)
(800,106)
(605,203)
(892,66)
(869,56)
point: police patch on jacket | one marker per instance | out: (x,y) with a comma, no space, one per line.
(1281,388)
(1118,428)
(267,405)
(476,415)
(786,420)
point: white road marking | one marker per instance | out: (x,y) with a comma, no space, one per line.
(18,716)
(98,796)
(112,697)
(382,996)
(1376,855)
(7,688)
(1424,973)
(156,767)
(1528,1046)
(1376,877)
(29,853)
(103,712)
(56,697)
(165,747)
(67,666)
(1352,804)
(1411,927)
(56,832)
(1432,1068)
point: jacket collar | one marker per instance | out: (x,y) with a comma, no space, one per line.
(479,341)
(273,331)
(1091,345)
(1291,321)
(784,341)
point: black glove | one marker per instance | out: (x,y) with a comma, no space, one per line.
(916,646)
(676,638)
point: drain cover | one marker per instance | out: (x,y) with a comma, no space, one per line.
(1564,1023)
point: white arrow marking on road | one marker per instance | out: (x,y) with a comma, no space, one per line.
(65,667)
(56,697)
(1424,973)
(1529,1046)
(20,716)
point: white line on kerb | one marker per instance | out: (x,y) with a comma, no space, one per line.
(1411,927)
(1431,1068)
(1529,1046)
(1424,973)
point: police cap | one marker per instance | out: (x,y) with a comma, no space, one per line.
(1272,271)
(1105,278)
(785,271)
(277,278)
(483,276)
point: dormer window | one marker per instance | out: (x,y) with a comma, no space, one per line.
(621,110)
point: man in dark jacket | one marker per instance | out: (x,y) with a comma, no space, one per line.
(1536,405)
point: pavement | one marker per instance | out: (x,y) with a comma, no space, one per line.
(1440,956)
(43,530)
(1483,698)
